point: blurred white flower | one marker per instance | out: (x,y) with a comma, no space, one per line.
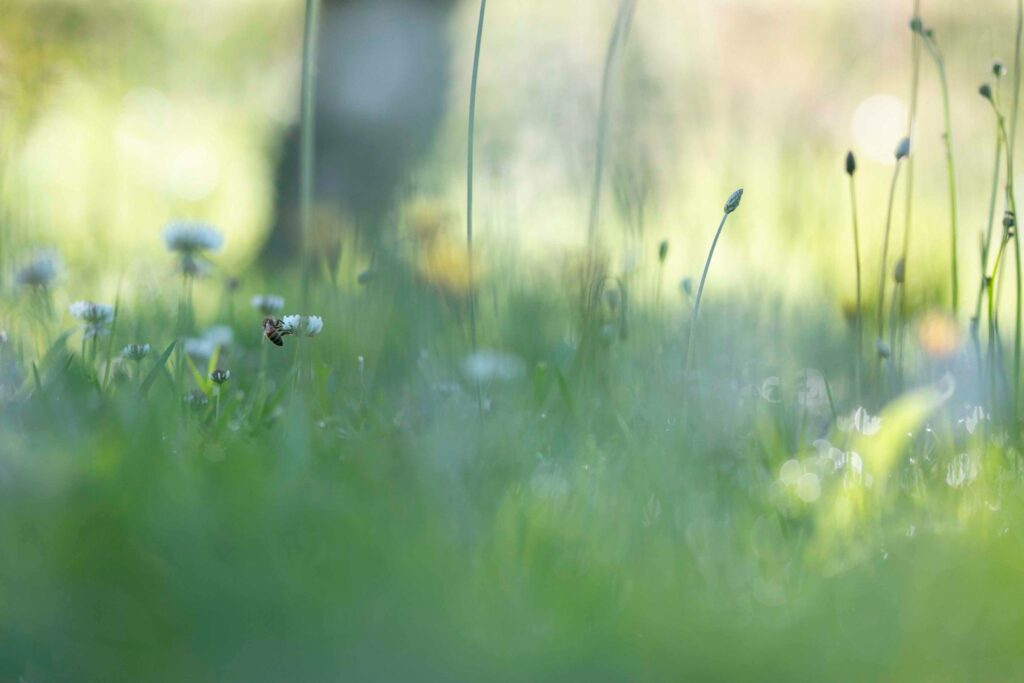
(95,318)
(308,326)
(860,421)
(135,352)
(192,237)
(204,346)
(771,389)
(808,487)
(41,271)
(267,304)
(962,471)
(486,365)
(790,472)
(811,390)
(974,416)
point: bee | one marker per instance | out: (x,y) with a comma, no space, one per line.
(274,329)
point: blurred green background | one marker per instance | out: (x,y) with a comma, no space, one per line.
(360,507)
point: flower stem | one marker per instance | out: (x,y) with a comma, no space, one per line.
(858,320)
(883,266)
(307,140)
(470,131)
(700,293)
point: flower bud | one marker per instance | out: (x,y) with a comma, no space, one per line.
(734,201)
(882,348)
(998,68)
(220,376)
(903,149)
(985,91)
(851,163)
(900,271)
(663,250)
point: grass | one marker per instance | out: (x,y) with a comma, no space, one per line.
(402,498)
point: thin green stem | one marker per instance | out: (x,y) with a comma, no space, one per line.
(915,86)
(947,137)
(307,141)
(614,43)
(470,132)
(859,321)
(700,294)
(883,266)
(1010,152)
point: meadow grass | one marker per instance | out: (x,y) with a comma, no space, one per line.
(542,496)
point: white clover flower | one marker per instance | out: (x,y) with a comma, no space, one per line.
(219,377)
(192,237)
(771,390)
(267,304)
(135,352)
(486,365)
(95,318)
(860,421)
(204,346)
(309,326)
(41,271)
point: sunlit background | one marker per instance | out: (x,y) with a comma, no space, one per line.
(118,115)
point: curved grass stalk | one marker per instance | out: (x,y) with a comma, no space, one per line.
(851,167)
(885,250)
(470,134)
(615,41)
(915,87)
(1011,149)
(730,206)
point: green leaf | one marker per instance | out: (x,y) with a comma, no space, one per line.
(155,370)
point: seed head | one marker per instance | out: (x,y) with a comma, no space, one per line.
(998,68)
(734,201)
(916,25)
(219,376)
(663,250)
(903,149)
(851,163)
(900,271)
(985,90)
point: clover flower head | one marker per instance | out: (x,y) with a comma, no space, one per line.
(95,318)
(309,326)
(41,270)
(135,352)
(219,376)
(192,237)
(267,304)
(204,346)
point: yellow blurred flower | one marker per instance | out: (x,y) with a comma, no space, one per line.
(938,334)
(426,218)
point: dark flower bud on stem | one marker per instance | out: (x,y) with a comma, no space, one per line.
(851,163)
(734,201)
(916,25)
(903,149)
(899,272)
(998,68)
(985,91)
(663,250)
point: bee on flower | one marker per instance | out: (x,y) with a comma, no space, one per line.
(95,318)
(307,326)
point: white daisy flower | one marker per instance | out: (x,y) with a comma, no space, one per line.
(41,271)
(309,326)
(267,304)
(192,237)
(95,318)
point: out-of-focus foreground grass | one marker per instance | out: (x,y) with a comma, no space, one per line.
(380,502)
